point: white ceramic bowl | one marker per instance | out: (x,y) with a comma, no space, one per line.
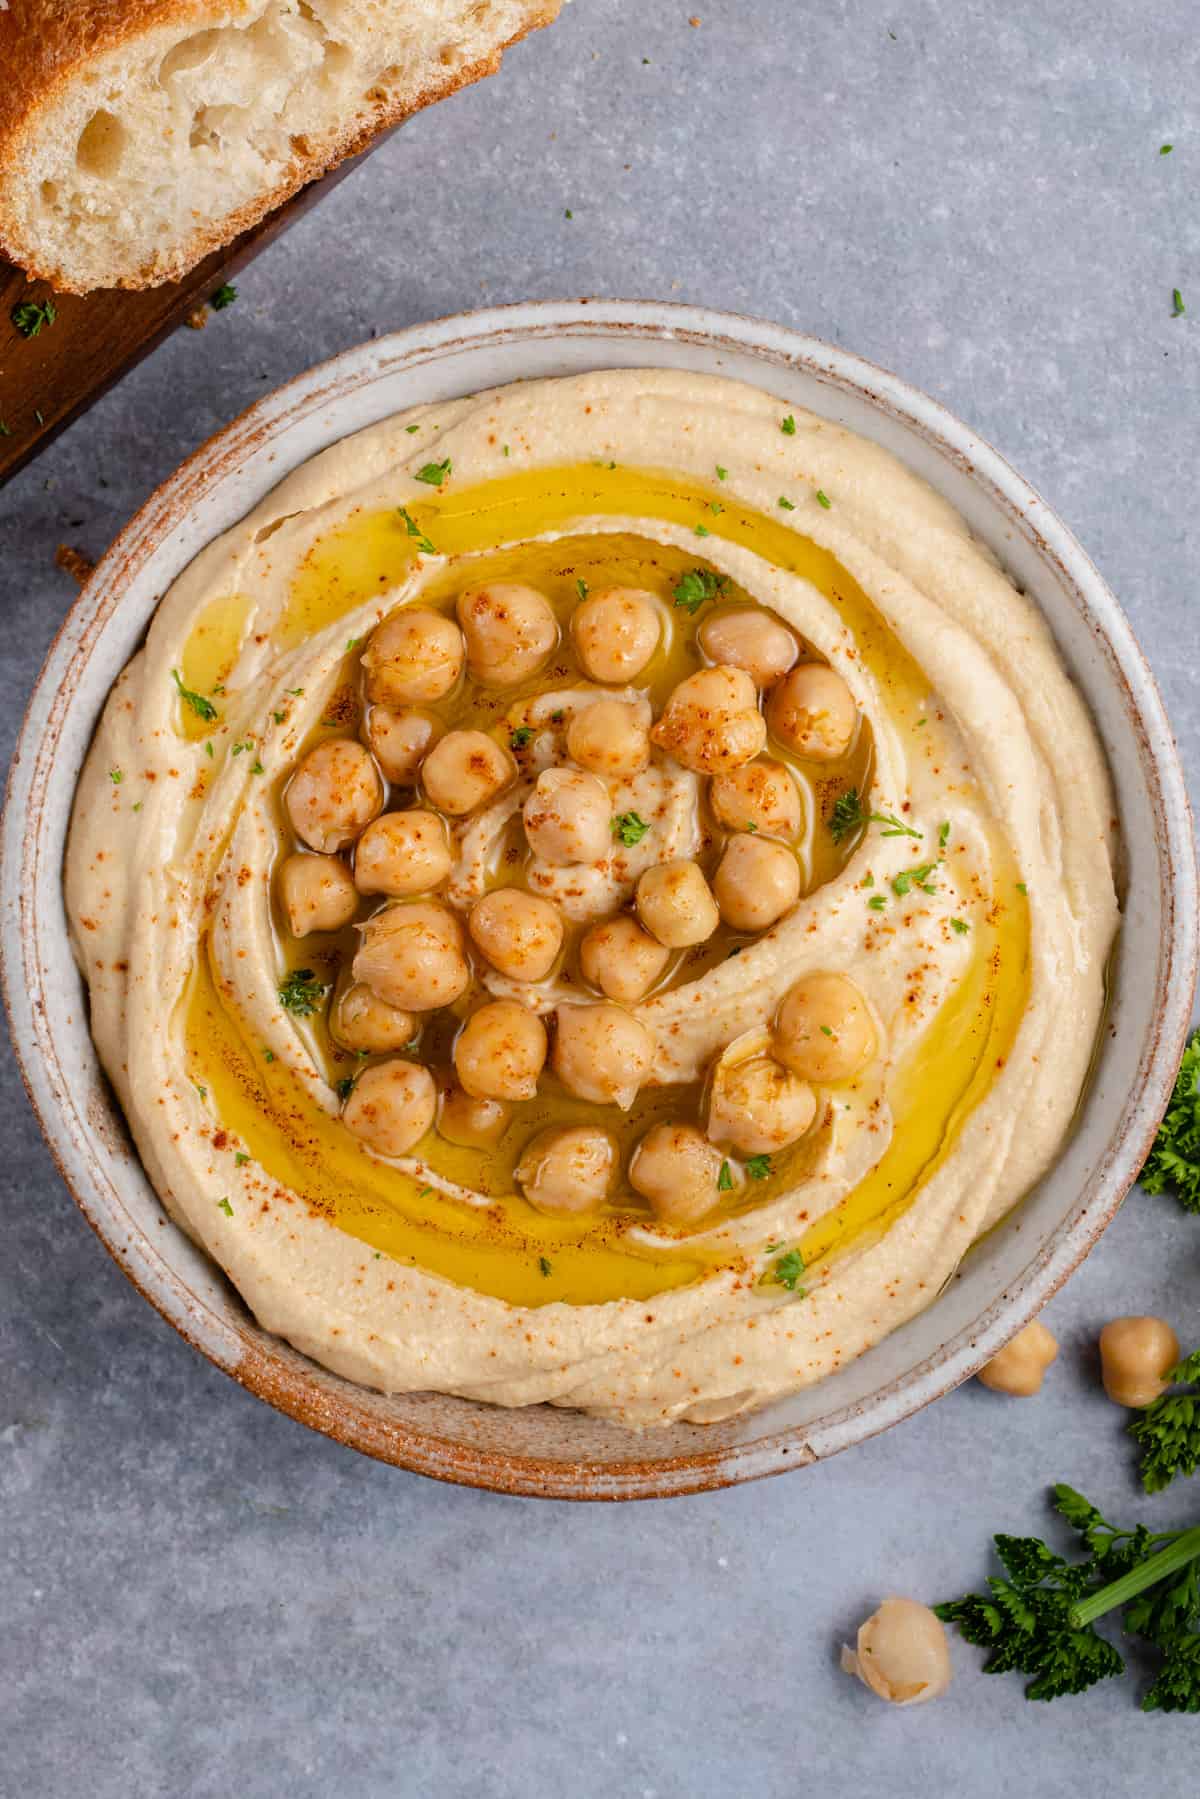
(1003,1281)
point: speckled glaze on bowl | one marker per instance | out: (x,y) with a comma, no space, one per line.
(543,1450)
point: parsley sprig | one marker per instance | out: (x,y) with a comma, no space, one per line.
(435,473)
(1174,1162)
(414,530)
(301,993)
(1039,1617)
(202,707)
(696,586)
(1168,1431)
(629,828)
(848,816)
(30,316)
(786,1272)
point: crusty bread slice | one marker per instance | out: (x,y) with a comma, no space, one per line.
(138,135)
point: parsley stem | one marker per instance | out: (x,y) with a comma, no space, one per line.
(1178,1554)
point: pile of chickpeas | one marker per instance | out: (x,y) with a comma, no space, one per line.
(417,954)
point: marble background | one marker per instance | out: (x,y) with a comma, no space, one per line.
(199,1597)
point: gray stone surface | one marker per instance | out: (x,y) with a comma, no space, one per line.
(197,1596)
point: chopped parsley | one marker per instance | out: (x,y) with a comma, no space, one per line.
(629,828)
(247,743)
(722,473)
(960,925)
(788,505)
(1177,306)
(919,877)
(200,706)
(506,450)
(224,1206)
(137,805)
(268,1055)
(715,506)
(414,530)
(1174,1161)
(352,643)
(787,1271)
(827,1030)
(296,692)
(424,1192)
(823,499)
(434,473)
(345,1087)
(848,816)
(1165,149)
(301,993)
(544,1265)
(239,1158)
(724,1178)
(225,296)
(696,586)
(116,776)
(411,428)
(788,426)
(29,316)
(877,902)
(758,1167)
(279,717)
(944,833)
(581,588)
(208,748)
(1021,887)
(520,737)
(703,531)
(567,213)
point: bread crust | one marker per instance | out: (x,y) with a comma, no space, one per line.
(44,44)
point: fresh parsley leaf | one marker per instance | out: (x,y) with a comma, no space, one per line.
(544,1264)
(200,706)
(1174,1161)
(944,833)
(724,1178)
(224,1206)
(116,776)
(414,530)
(1168,1430)
(758,1167)
(698,585)
(1021,887)
(722,473)
(788,426)
(703,531)
(787,505)
(629,828)
(30,316)
(225,296)
(1165,149)
(877,902)
(240,1158)
(411,428)
(715,506)
(823,499)
(435,473)
(581,588)
(301,993)
(919,877)
(848,816)
(787,1270)
(520,737)
(960,925)
(1177,306)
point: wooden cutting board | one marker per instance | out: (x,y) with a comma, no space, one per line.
(49,379)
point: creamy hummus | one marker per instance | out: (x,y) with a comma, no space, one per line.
(948,859)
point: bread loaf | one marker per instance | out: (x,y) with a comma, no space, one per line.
(138,135)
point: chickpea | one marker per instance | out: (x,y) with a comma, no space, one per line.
(621,959)
(677,1171)
(616,632)
(333,795)
(568,817)
(519,933)
(601,1053)
(568,1170)
(824,1030)
(402,853)
(401,741)
(763,794)
(757,1107)
(757,882)
(712,723)
(813,712)
(471,1120)
(510,630)
(1019,1367)
(747,637)
(412,956)
(902,1653)
(675,905)
(466,770)
(609,738)
(361,1020)
(413,656)
(391,1106)
(501,1051)
(317,894)
(1136,1356)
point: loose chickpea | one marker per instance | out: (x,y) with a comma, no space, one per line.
(402,853)
(466,770)
(616,631)
(757,1107)
(712,723)
(813,712)
(675,905)
(610,738)
(361,1020)
(1136,1355)
(391,1106)
(414,655)
(412,956)
(677,1171)
(823,1031)
(401,741)
(317,894)
(762,794)
(601,1053)
(470,1119)
(519,933)
(758,880)
(621,959)
(902,1653)
(1020,1366)
(333,795)
(568,817)
(568,1170)
(747,637)
(501,1051)
(510,630)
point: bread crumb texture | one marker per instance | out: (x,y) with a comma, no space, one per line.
(138,138)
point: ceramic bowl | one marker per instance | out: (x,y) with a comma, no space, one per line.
(1003,1281)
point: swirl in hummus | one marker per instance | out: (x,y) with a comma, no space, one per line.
(597,892)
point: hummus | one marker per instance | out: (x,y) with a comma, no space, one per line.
(702,1105)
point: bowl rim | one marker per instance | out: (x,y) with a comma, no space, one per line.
(338,1415)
